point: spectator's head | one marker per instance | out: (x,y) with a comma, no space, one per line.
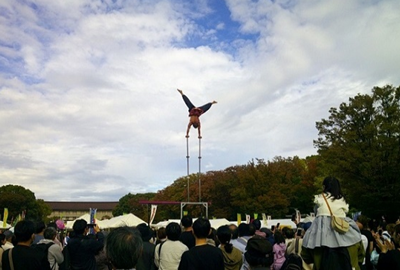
(9,235)
(224,234)
(186,221)
(268,232)
(288,233)
(259,252)
(234,231)
(201,228)
(362,222)
(252,229)
(257,224)
(161,233)
(332,186)
(278,236)
(145,231)
(50,233)
(80,226)
(173,231)
(243,229)
(24,231)
(123,247)
(40,226)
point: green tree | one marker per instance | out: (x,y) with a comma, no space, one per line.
(360,144)
(18,199)
(44,210)
(130,204)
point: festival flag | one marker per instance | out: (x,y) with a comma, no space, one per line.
(239,218)
(92,218)
(152,213)
(255,215)
(298,216)
(5,217)
(264,218)
(185,213)
(247,219)
(16,220)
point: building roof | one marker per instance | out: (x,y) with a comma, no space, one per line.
(78,206)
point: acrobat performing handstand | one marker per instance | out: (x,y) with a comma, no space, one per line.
(194,113)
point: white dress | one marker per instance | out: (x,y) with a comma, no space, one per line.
(321,232)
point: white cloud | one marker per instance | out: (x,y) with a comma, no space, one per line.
(88,102)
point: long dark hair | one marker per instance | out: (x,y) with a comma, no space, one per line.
(224,235)
(332,186)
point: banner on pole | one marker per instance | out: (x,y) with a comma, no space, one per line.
(152,213)
(239,218)
(298,216)
(5,217)
(247,219)
(264,218)
(92,218)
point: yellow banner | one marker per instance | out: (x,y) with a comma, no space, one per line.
(239,219)
(5,217)
(255,215)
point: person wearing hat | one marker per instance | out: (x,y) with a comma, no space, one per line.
(258,255)
(9,236)
(83,247)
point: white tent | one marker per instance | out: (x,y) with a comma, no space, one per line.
(282,222)
(215,223)
(218,222)
(115,222)
(163,224)
(129,220)
(69,224)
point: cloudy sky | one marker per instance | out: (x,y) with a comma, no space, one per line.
(88,102)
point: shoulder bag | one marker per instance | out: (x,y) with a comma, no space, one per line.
(338,224)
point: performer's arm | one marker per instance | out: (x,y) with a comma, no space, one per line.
(199,127)
(188,128)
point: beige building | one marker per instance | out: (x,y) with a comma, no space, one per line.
(72,210)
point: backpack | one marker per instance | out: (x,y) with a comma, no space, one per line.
(335,259)
(43,249)
(293,262)
(66,264)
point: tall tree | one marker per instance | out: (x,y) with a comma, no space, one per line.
(130,204)
(44,210)
(18,199)
(360,143)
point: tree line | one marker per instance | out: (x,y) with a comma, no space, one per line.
(359,143)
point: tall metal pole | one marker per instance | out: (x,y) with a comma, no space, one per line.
(187,164)
(199,169)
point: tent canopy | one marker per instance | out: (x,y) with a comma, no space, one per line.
(129,220)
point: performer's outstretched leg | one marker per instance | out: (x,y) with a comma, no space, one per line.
(207,106)
(186,100)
